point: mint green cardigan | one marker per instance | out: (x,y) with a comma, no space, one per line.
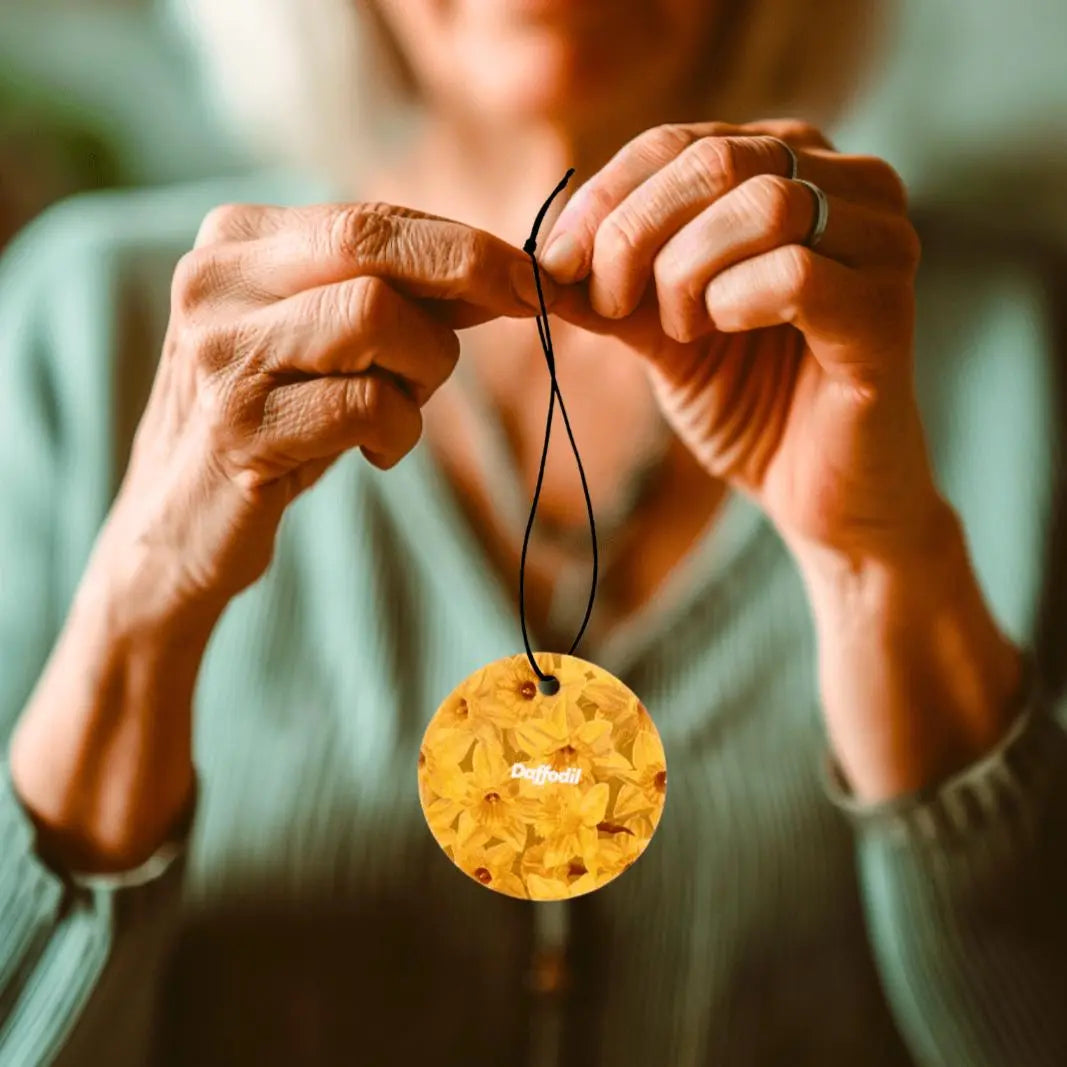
(311,918)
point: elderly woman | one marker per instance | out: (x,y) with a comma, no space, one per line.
(212,845)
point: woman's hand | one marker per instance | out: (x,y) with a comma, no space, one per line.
(297,334)
(788,371)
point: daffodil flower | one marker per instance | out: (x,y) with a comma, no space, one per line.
(633,721)
(540,734)
(507,697)
(543,882)
(492,806)
(567,821)
(493,866)
(442,782)
(463,710)
(642,793)
(616,850)
(565,738)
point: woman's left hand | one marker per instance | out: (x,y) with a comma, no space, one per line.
(786,369)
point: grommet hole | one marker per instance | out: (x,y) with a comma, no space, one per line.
(549,685)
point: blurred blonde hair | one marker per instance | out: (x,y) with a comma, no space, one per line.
(321,84)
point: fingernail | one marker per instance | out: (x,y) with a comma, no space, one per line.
(563,257)
(522,278)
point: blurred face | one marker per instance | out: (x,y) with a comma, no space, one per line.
(516,59)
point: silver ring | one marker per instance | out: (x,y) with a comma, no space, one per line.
(822,214)
(794,163)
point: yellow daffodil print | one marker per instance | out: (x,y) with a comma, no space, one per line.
(567,823)
(641,794)
(539,734)
(618,847)
(542,795)
(545,881)
(440,758)
(467,709)
(494,810)
(508,696)
(492,866)
(568,739)
(630,722)
(443,785)
(593,691)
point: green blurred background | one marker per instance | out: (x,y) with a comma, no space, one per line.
(98,93)
(970,105)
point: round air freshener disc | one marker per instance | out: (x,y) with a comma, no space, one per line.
(536,795)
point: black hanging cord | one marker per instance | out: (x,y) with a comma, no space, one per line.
(543,333)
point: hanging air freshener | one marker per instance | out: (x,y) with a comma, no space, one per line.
(542,776)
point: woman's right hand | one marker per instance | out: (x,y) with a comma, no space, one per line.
(295,335)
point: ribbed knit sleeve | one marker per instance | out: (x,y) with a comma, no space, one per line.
(965,895)
(60,935)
